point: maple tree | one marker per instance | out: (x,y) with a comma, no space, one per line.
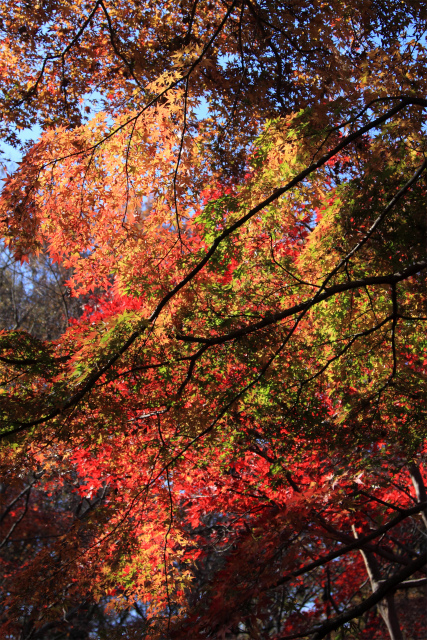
(230,441)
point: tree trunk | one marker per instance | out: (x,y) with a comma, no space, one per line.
(387,606)
(420,490)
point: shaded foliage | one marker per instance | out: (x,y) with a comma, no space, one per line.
(231,436)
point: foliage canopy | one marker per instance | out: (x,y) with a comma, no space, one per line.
(230,441)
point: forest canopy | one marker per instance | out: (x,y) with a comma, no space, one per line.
(213,350)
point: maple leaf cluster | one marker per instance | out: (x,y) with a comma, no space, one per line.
(228,440)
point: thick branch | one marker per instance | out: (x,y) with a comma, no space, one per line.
(387,587)
(357,544)
(329,292)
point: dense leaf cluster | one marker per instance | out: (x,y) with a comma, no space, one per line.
(223,432)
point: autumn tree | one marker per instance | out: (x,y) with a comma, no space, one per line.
(230,440)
